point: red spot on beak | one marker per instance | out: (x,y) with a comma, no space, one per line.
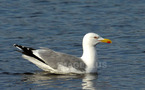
(108,41)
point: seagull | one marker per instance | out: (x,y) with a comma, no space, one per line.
(61,63)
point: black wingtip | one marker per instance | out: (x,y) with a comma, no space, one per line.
(18,46)
(15,45)
(23,49)
(27,51)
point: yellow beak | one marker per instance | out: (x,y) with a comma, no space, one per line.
(106,40)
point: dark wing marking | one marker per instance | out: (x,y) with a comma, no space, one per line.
(27,51)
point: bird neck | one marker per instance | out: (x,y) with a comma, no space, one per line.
(89,56)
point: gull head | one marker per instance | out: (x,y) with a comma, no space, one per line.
(92,39)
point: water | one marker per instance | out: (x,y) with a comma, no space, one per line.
(60,25)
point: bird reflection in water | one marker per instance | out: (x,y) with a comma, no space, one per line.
(89,81)
(45,79)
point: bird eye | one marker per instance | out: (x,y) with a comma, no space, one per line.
(96,37)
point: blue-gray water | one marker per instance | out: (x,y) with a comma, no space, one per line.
(60,25)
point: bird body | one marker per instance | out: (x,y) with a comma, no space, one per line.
(56,62)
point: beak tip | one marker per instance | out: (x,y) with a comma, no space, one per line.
(106,41)
(109,41)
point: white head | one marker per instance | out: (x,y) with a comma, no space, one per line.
(92,39)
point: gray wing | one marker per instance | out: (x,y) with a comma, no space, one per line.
(54,59)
